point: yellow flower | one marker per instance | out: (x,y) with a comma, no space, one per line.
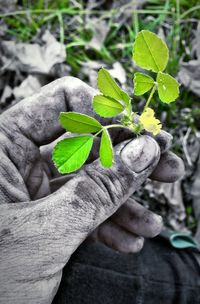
(148,114)
(149,122)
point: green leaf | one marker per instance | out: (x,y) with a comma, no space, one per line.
(150,52)
(168,87)
(71,153)
(106,150)
(109,87)
(126,99)
(79,123)
(142,83)
(106,106)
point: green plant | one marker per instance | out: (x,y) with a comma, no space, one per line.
(150,53)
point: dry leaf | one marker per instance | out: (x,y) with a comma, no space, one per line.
(118,72)
(28,87)
(33,58)
(7,93)
(7,5)
(169,195)
(100,30)
(189,73)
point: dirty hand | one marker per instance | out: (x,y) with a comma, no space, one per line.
(40,228)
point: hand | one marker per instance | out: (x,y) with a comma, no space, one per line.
(126,229)
(38,230)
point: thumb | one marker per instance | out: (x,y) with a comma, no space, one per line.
(95,193)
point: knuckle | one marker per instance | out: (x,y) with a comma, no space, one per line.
(112,183)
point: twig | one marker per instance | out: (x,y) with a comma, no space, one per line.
(185,150)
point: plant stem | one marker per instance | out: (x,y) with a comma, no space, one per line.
(178,16)
(192,9)
(95,135)
(176,30)
(90,12)
(150,97)
(62,31)
(116,126)
(111,126)
(136,23)
(129,111)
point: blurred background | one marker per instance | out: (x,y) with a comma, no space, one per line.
(42,40)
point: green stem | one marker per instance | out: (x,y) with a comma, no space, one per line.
(176,30)
(111,126)
(86,12)
(150,97)
(192,9)
(95,135)
(116,126)
(178,12)
(136,23)
(62,31)
(129,111)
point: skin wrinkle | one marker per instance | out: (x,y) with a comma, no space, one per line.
(5,231)
(109,183)
(8,193)
(115,180)
(97,193)
(100,182)
(25,155)
(108,187)
(97,210)
(34,280)
(101,173)
(12,185)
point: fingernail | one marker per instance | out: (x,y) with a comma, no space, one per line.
(140,153)
(137,245)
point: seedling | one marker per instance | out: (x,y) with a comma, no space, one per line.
(150,53)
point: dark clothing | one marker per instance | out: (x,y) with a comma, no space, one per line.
(159,274)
